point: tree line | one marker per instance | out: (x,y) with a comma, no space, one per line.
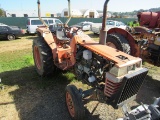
(2,13)
(134,13)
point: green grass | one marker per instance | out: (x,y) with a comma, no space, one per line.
(70,76)
(15,60)
(17,68)
(153,70)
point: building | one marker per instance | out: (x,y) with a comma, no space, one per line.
(85,13)
(89,13)
(29,13)
(74,13)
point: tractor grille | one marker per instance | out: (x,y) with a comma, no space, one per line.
(111,88)
(130,86)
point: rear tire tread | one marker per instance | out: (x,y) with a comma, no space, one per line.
(46,57)
(120,42)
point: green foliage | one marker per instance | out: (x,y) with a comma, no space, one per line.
(134,13)
(2,13)
(70,76)
(133,24)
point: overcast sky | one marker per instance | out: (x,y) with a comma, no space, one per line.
(59,5)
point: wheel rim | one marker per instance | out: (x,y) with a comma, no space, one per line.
(111,45)
(10,37)
(37,57)
(70,104)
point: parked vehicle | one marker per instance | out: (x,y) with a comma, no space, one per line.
(114,76)
(96,27)
(33,23)
(85,26)
(10,32)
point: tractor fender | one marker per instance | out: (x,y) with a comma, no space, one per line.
(128,37)
(49,39)
(140,29)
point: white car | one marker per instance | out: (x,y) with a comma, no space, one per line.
(118,24)
(96,27)
(33,23)
(85,25)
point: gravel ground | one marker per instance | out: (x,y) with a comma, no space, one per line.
(31,103)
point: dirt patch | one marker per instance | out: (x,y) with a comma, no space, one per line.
(18,44)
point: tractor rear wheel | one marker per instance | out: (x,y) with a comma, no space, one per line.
(119,42)
(74,103)
(43,57)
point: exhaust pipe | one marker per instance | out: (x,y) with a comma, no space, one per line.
(39,14)
(69,9)
(103,32)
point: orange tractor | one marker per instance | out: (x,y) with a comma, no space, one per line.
(115,76)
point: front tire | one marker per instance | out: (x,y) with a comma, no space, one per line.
(119,42)
(43,57)
(74,103)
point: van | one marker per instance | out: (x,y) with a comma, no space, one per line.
(33,23)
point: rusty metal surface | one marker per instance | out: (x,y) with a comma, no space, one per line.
(140,29)
(105,51)
(149,19)
(39,14)
(104,15)
(48,37)
(142,33)
(103,31)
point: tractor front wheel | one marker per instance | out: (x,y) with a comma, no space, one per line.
(43,57)
(74,103)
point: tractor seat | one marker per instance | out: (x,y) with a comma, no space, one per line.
(61,36)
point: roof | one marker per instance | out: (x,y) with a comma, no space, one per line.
(43,18)
(83,10)
(1,24)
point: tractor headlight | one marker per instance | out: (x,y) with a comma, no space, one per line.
(122,71)
(118,71)
(131,67)
(114,71)
(139,64)
(125,70)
